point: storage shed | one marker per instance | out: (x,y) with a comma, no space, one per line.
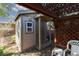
(25,30)
(32,31)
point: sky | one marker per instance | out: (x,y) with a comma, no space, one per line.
(14,9)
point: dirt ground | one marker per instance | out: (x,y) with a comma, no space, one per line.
(12,50)
(34,52)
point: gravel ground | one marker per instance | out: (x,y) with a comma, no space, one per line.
(35,52)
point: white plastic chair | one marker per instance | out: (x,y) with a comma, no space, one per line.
(67,52)
(57,52)
(73,47)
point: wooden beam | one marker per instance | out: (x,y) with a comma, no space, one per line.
(69,17)
(37,7)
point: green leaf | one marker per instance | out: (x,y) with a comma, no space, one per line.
(4,9)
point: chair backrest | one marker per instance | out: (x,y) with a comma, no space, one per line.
(74,46)
(72,42)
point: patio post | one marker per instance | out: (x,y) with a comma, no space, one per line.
(39,33)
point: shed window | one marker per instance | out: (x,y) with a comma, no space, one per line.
(29,29)
(29,26)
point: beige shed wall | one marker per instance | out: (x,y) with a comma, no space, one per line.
(28,39)
(18,34)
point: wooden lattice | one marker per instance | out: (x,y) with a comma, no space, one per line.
(66,30)
(61,9)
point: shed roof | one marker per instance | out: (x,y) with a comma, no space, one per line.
(21,12)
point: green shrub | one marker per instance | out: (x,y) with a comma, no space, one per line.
(2,50)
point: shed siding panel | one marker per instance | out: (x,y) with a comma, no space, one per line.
(29,39)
